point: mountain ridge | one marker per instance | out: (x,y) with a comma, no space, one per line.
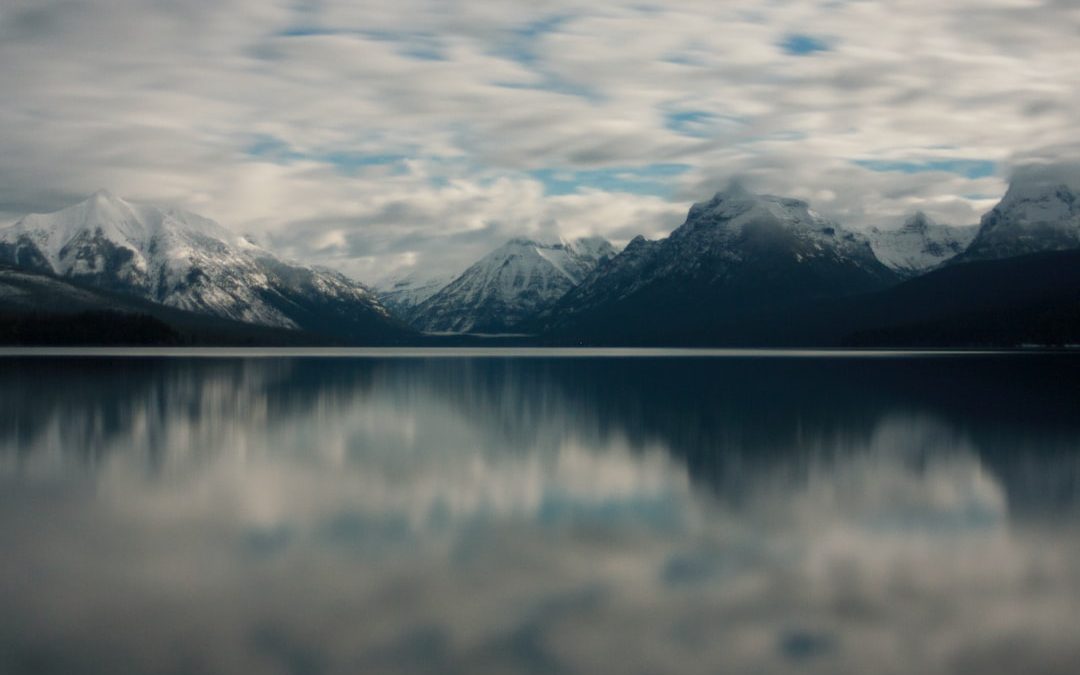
(510,285)
(183,260)
(40,308)
(743,268)
(1039,212)
(736,254)
(919,244)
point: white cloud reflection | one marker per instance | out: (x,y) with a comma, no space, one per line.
(472,517)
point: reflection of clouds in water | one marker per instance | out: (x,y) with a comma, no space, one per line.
(913,476)
(377,524)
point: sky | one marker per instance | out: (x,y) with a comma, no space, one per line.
(383,138)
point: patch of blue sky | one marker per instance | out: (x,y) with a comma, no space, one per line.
(422,46)
(553,84)
(800,44)
(691,53)
(690,122)
(521,47)
(423,51)
(683,59)
(272,149)
(968,168)
(656,180)
(699,123)
(648,8)
(352,162)
(415,45)
(306,31)
(275,150)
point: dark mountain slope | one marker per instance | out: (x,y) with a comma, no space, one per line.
(738,257)
(39,309)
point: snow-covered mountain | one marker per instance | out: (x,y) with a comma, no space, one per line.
(919,245)
(510,285)
(183,260)
(1039,212)
(737,256)
(403,294)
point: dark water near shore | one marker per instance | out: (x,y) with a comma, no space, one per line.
(571,515)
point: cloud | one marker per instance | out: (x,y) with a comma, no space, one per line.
(425,122)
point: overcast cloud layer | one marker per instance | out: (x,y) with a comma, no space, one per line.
(380,136)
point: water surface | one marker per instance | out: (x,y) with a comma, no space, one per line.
(833,513)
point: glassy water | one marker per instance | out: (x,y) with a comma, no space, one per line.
(571,515)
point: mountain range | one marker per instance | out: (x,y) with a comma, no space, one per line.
(743,269)
(185,261)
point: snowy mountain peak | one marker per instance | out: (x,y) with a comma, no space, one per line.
(403,293)
(527,256)
(594,248)
(734,191)
(102,204)
(727,202)
(736,195)
(183,260)
(1039,212)
(638,247)
(510,284)
(103,195)
(918,222)
(736,224)
(1039,202)
(524,242)
(735,254)
(1037,182)
(736,208)
(105,221)
(919,245)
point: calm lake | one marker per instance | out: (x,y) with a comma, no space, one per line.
(376,512)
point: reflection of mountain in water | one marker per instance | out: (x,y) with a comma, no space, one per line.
(522,516)
(89,407)
(727,419)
